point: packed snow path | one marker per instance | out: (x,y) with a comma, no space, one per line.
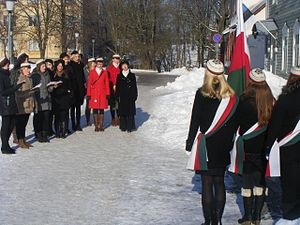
(105,178)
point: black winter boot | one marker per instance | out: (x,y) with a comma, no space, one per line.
(39,137)
(248,204)
(257,208)
(63,130)
(45,136)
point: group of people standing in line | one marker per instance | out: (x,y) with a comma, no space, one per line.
(54,91)
(251,125)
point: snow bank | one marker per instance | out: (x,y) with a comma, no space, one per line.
(177,72)
(288,222)
(169,121)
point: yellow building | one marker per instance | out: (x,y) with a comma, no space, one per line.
(38,27)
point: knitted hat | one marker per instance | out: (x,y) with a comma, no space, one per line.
(215,66)
(100,59)
(91,59)
(3,61)
(295,71)
(25,65)
(257,75)
(116,56)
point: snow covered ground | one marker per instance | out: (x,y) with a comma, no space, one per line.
(113,177)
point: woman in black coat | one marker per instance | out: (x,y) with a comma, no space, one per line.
(285,117)
(210,151)
(126,95)
(61,96)
(253,113)
(8,106)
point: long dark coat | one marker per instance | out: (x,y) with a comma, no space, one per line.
(8,104)
(219,144)
(78,82)
(61,95)
(286,114)
(126,94)
(247,116)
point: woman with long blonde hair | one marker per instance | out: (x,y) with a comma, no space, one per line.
(213,118)
(89,67)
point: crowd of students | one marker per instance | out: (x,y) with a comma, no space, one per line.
(241,134)
(55,91)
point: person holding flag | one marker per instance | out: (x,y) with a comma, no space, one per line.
(240,63)
(283,145)
(248,155)
(213,117)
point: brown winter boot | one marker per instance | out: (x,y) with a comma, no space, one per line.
(113,122)
(101,120)
(26,143)
(22,144)
(96,122)
(117,121)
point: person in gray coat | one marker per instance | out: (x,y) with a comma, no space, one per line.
(43,97)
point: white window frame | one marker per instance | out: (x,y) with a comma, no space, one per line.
(33,45)
(285,48)
(296,43)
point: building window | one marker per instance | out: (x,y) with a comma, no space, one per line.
(33,20)
(296,46)
(285,47)
(275,2)
(33,45)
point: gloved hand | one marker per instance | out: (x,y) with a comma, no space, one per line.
(188,146)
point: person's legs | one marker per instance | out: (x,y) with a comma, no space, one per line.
(101,120)
(78,117)
(130,124)
(123,123)
(6,129)
(51,115)
(21,122)
(63,123)
(72,112)
(207,198)
(219,197)
(87,113)
(96,119)
(113,114)
(45,125)
(37,125)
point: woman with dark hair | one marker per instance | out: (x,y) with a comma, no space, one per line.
(44,105)
(8,106)
(284,136)
(213,118)
(98,93)
(26,103)
(126,95)
(61,99)
(253,115)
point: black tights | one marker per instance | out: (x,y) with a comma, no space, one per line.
(213,197)
(75,112)
(7,126)
(98,111)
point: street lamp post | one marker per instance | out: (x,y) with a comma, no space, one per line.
(10,8)
(76,40)
(93,41)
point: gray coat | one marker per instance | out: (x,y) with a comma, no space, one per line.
(42,96)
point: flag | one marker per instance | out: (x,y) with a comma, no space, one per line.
(249,18)
(240,63)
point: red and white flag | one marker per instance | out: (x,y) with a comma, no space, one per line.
(240,63)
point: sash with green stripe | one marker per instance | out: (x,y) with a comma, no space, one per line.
(198,158)
(237,154)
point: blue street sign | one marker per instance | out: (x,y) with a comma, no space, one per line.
(217,38)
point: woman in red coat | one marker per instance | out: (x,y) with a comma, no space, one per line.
(113,71)
(98,93)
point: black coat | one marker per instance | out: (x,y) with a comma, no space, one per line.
(77,80)
(8,104)
(219,144)
(285,115)
(254,148)
(126,94)
(61,95)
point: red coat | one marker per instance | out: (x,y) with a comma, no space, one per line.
(98,89)
(113,73)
